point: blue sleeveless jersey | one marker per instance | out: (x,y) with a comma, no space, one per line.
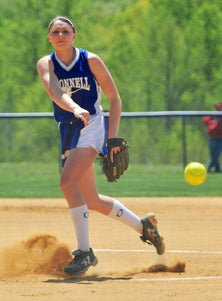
(79,83)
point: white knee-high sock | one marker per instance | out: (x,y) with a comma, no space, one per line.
(123,214)
(79,217)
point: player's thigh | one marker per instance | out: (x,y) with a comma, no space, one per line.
(77,163)
(87,184)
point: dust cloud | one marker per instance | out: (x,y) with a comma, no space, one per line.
(45,254)
(39,254)
(175,267)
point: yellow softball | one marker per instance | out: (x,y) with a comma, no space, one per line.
(195,173)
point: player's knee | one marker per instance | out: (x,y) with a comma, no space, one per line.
(66,184)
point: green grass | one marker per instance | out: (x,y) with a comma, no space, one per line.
(27,179)
(39,180)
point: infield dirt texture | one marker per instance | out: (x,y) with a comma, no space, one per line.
(37,237)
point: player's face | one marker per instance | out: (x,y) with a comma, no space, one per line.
(61,34)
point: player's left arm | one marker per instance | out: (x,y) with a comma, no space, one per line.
(108,86)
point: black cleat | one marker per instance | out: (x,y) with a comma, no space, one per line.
(150,233)
(81,262)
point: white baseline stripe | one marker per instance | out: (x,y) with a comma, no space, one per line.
(171,278)
(152,251)
(174,279)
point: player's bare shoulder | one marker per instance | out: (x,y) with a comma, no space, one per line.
(96,64)
(94,60)
(92,56)
(44,59)
(44,63)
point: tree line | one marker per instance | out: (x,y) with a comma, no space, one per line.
(163,54)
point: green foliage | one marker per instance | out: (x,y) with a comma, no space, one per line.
(163,55)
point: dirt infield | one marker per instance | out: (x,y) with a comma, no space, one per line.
(37,237)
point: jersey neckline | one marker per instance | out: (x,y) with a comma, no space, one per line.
(70,66)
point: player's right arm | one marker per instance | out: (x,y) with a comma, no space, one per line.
(51,84)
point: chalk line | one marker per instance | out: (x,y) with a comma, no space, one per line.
(175,279)
(152,251)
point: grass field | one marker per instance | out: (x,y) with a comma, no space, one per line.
(40,180)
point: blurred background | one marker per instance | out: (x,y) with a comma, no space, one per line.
(164,55)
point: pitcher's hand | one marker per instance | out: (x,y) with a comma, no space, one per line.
(82,114)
